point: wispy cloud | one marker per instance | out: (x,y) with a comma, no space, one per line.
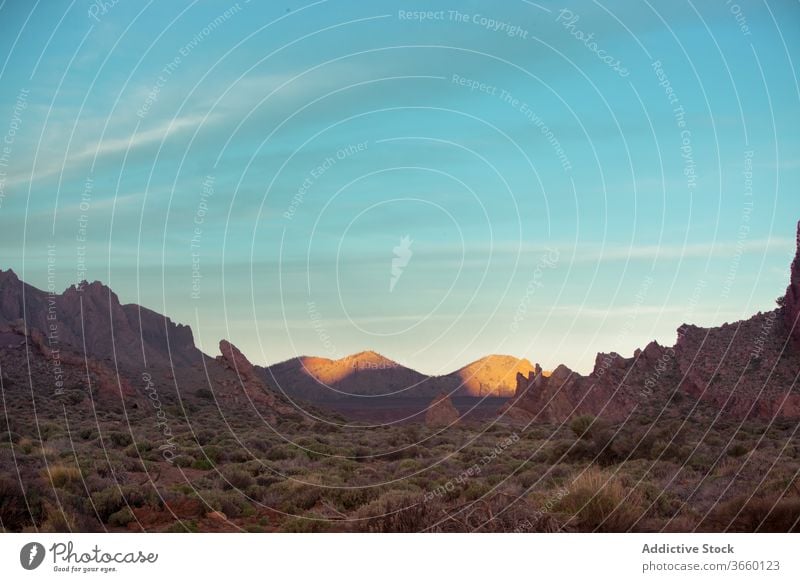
(106,147)
(702,250)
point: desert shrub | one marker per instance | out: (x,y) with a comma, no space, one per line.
(202,465)
(13,507)
(239,455)
(107,501)
(88,433)
(303,525)
(582,425)
(57,520)
(281,453)
(121,518)
(407,466)
(183,460)
(293,497)
(738,450)
(63,475)
(556,453)
(349,498)
(26,445)
(699,461)
(598,501)
(9,436)
(204,393)
(237,478)
(231,503)
(135,450)
(119,439)
(475,490)
(399,511)
(49,431)
(73,397)
(267,479)
(214,453)
(138,496)
(183,526)
(755,514)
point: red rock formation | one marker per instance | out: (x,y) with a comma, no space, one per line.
(791,301)
(746,369)
(89,318)
(64,362)
(441,412)
(236,360)
(249,380)
(565,393)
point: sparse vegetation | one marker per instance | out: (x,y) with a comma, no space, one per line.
(687,471)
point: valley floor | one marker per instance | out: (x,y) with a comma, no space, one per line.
(70,467)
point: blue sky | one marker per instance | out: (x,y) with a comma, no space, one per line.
(252,169)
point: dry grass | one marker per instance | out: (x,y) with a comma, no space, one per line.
(63,475)
(598,501)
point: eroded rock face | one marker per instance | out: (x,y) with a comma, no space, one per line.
(89,318)
(441,412)
(745,369)
(608,391)
(791,301)
(247,379)
(57,368)
(236,360)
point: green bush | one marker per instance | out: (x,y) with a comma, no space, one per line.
(119,439)
(738,450)
(121,518)
(302,525)
(582,426)
(107,502)
(237,478)
(202,465)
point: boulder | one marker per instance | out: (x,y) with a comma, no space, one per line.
(441,412)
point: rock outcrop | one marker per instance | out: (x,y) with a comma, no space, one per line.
(249,381)
(89,318)
(235,360)
(55,370)
(746,369)
(441,412)
(791,300)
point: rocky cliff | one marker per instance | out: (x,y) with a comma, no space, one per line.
(791,300)
(746,369)
(90,319)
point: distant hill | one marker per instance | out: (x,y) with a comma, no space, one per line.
(492,376)
(369,374)
(365,374)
